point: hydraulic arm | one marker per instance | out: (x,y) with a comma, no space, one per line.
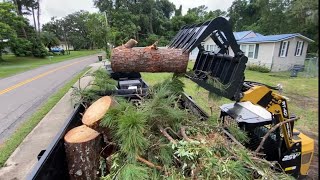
(257,107)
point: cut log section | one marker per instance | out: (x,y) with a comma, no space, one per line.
(131,43)
(95,113)
(148,59)
(82,147)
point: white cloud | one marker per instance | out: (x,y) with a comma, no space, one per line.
(61,8)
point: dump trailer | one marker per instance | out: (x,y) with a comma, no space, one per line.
(52,162)
(258,109)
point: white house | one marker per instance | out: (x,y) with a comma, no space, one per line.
(63,45)
(276,52)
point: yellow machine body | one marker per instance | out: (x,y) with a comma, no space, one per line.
(291,136)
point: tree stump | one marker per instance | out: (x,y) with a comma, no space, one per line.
(82,147)
(95,113)
(148,59)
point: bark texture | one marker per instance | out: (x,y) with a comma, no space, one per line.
(83,146)
(131,43)
(148,59)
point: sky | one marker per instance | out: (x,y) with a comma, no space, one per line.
(61,8)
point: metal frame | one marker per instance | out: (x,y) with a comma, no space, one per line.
(219,66)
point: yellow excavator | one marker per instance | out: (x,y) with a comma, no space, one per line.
(259,109)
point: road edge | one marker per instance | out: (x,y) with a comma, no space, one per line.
(24,157)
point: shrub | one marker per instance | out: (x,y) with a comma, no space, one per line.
(258,68)
(38,49)
(21,47)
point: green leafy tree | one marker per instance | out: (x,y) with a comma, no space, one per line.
(9,22)
(178,12)
(277,17)
(21,47)
(49,39)
(10,17)
(7,35)
(306,14)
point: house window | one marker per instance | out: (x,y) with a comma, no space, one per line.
(299,48)
(243,48)
(251,51)
(207,48)
(284,49)
(211,47)
(248,50)
(215,47)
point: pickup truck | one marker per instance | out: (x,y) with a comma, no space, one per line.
(57,50)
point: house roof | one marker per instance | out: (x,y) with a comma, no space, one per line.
(273,38)
(241,34)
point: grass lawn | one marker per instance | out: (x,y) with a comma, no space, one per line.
(12,65)
(301,91)
(7,148)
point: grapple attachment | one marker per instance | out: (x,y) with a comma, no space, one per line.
(219,72)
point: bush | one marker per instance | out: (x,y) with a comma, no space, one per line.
(51,54)
(38,49)
(21,47)
(258,68)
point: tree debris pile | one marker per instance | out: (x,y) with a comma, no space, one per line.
(156,137)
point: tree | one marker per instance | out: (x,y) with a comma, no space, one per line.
(56,27)
(305,13)
(98,30)
(9,22)
(10,17)
(277,17)
(38,16)
(7,34)
(178,12)
(49,39)
(24,7)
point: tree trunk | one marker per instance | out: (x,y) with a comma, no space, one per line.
(19,11)
(148,59)
(34,21)
(83,146)
(38,16)
(95,113)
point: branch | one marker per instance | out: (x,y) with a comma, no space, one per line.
(167,135)
(153,46)
(148,163)
(131,43)
(232,138)
(195,171)
(169,128)
(271,130)
(184,135)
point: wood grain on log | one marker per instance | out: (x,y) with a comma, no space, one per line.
(95,113)
(82,147)
(96,110)
(148,59)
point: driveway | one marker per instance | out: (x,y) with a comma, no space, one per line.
(22,94)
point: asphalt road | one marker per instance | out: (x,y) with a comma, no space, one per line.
(22,94)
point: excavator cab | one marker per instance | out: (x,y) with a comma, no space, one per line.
(257,108)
